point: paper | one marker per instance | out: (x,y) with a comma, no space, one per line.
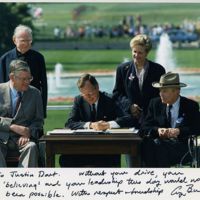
(99,184)
(91,131)
(121,131)
(69,131)
(88,131)
(60,131)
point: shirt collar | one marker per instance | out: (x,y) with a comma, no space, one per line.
(19,54)
(13,90)
(146,66)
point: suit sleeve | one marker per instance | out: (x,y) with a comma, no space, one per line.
(192,121)
(5,123)
(44,88)
(37,122)
(119,91)
(124,119)
(149,125)
(2,66)
(74,121)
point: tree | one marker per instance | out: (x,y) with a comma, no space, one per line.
(11,15)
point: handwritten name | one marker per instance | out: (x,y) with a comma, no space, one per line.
(16,174)
(180,191)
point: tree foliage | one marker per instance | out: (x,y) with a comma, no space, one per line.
(11,15)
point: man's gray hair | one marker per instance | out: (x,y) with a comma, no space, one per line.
(20,28)
(18,66)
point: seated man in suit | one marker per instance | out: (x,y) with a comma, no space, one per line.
(171,119)
(94,109)
(21,116)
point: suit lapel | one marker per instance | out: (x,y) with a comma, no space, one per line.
(87,109)
(163,118)
(181,108)
(132,79)
(99,107)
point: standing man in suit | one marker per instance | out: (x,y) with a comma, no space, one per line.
(21,116)
(22,39)
(96,110)
(171,119)
(133,85)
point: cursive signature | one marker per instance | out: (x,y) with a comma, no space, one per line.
(180,191)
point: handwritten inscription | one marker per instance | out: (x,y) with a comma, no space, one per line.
(84,184)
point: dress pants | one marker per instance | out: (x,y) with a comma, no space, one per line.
(28,154)
(162,152)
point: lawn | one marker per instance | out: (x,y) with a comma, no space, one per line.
(92,60)
(108,14)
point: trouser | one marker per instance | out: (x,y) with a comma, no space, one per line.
(28,153)
(162,152)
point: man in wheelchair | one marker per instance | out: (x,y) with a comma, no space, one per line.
(169,124)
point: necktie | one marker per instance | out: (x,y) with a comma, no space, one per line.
(169,115)
(93,113)
(19,94)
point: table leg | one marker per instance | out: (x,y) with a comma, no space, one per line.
(135,160)
(50,155)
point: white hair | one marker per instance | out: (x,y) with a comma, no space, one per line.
(21,28)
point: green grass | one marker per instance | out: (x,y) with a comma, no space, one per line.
(108,14)
(91,60)
(55,119)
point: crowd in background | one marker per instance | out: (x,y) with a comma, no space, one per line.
(127,27)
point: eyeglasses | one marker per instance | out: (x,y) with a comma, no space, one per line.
(24,41)
(24,79)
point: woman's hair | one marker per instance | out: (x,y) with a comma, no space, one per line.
(142,40)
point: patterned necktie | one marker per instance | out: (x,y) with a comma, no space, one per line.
(93,113)
(19,94)
(169,115)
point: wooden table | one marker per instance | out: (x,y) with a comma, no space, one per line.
(120,143)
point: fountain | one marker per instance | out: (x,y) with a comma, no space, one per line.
(58,71)
(65,86)
(164,53)
(165,57)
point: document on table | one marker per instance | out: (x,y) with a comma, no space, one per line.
(60,132)
(69,131)
(123,130)
(92,131)
(88,131)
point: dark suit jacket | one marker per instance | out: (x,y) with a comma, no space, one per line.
(37,66)
(29,114)
(188,119)
(107,110)
(127,91)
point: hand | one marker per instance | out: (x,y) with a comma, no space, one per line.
(174,132)
(163,133)
(100,125)
(20,130)
(136,110)
(23,140)
(168,132)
